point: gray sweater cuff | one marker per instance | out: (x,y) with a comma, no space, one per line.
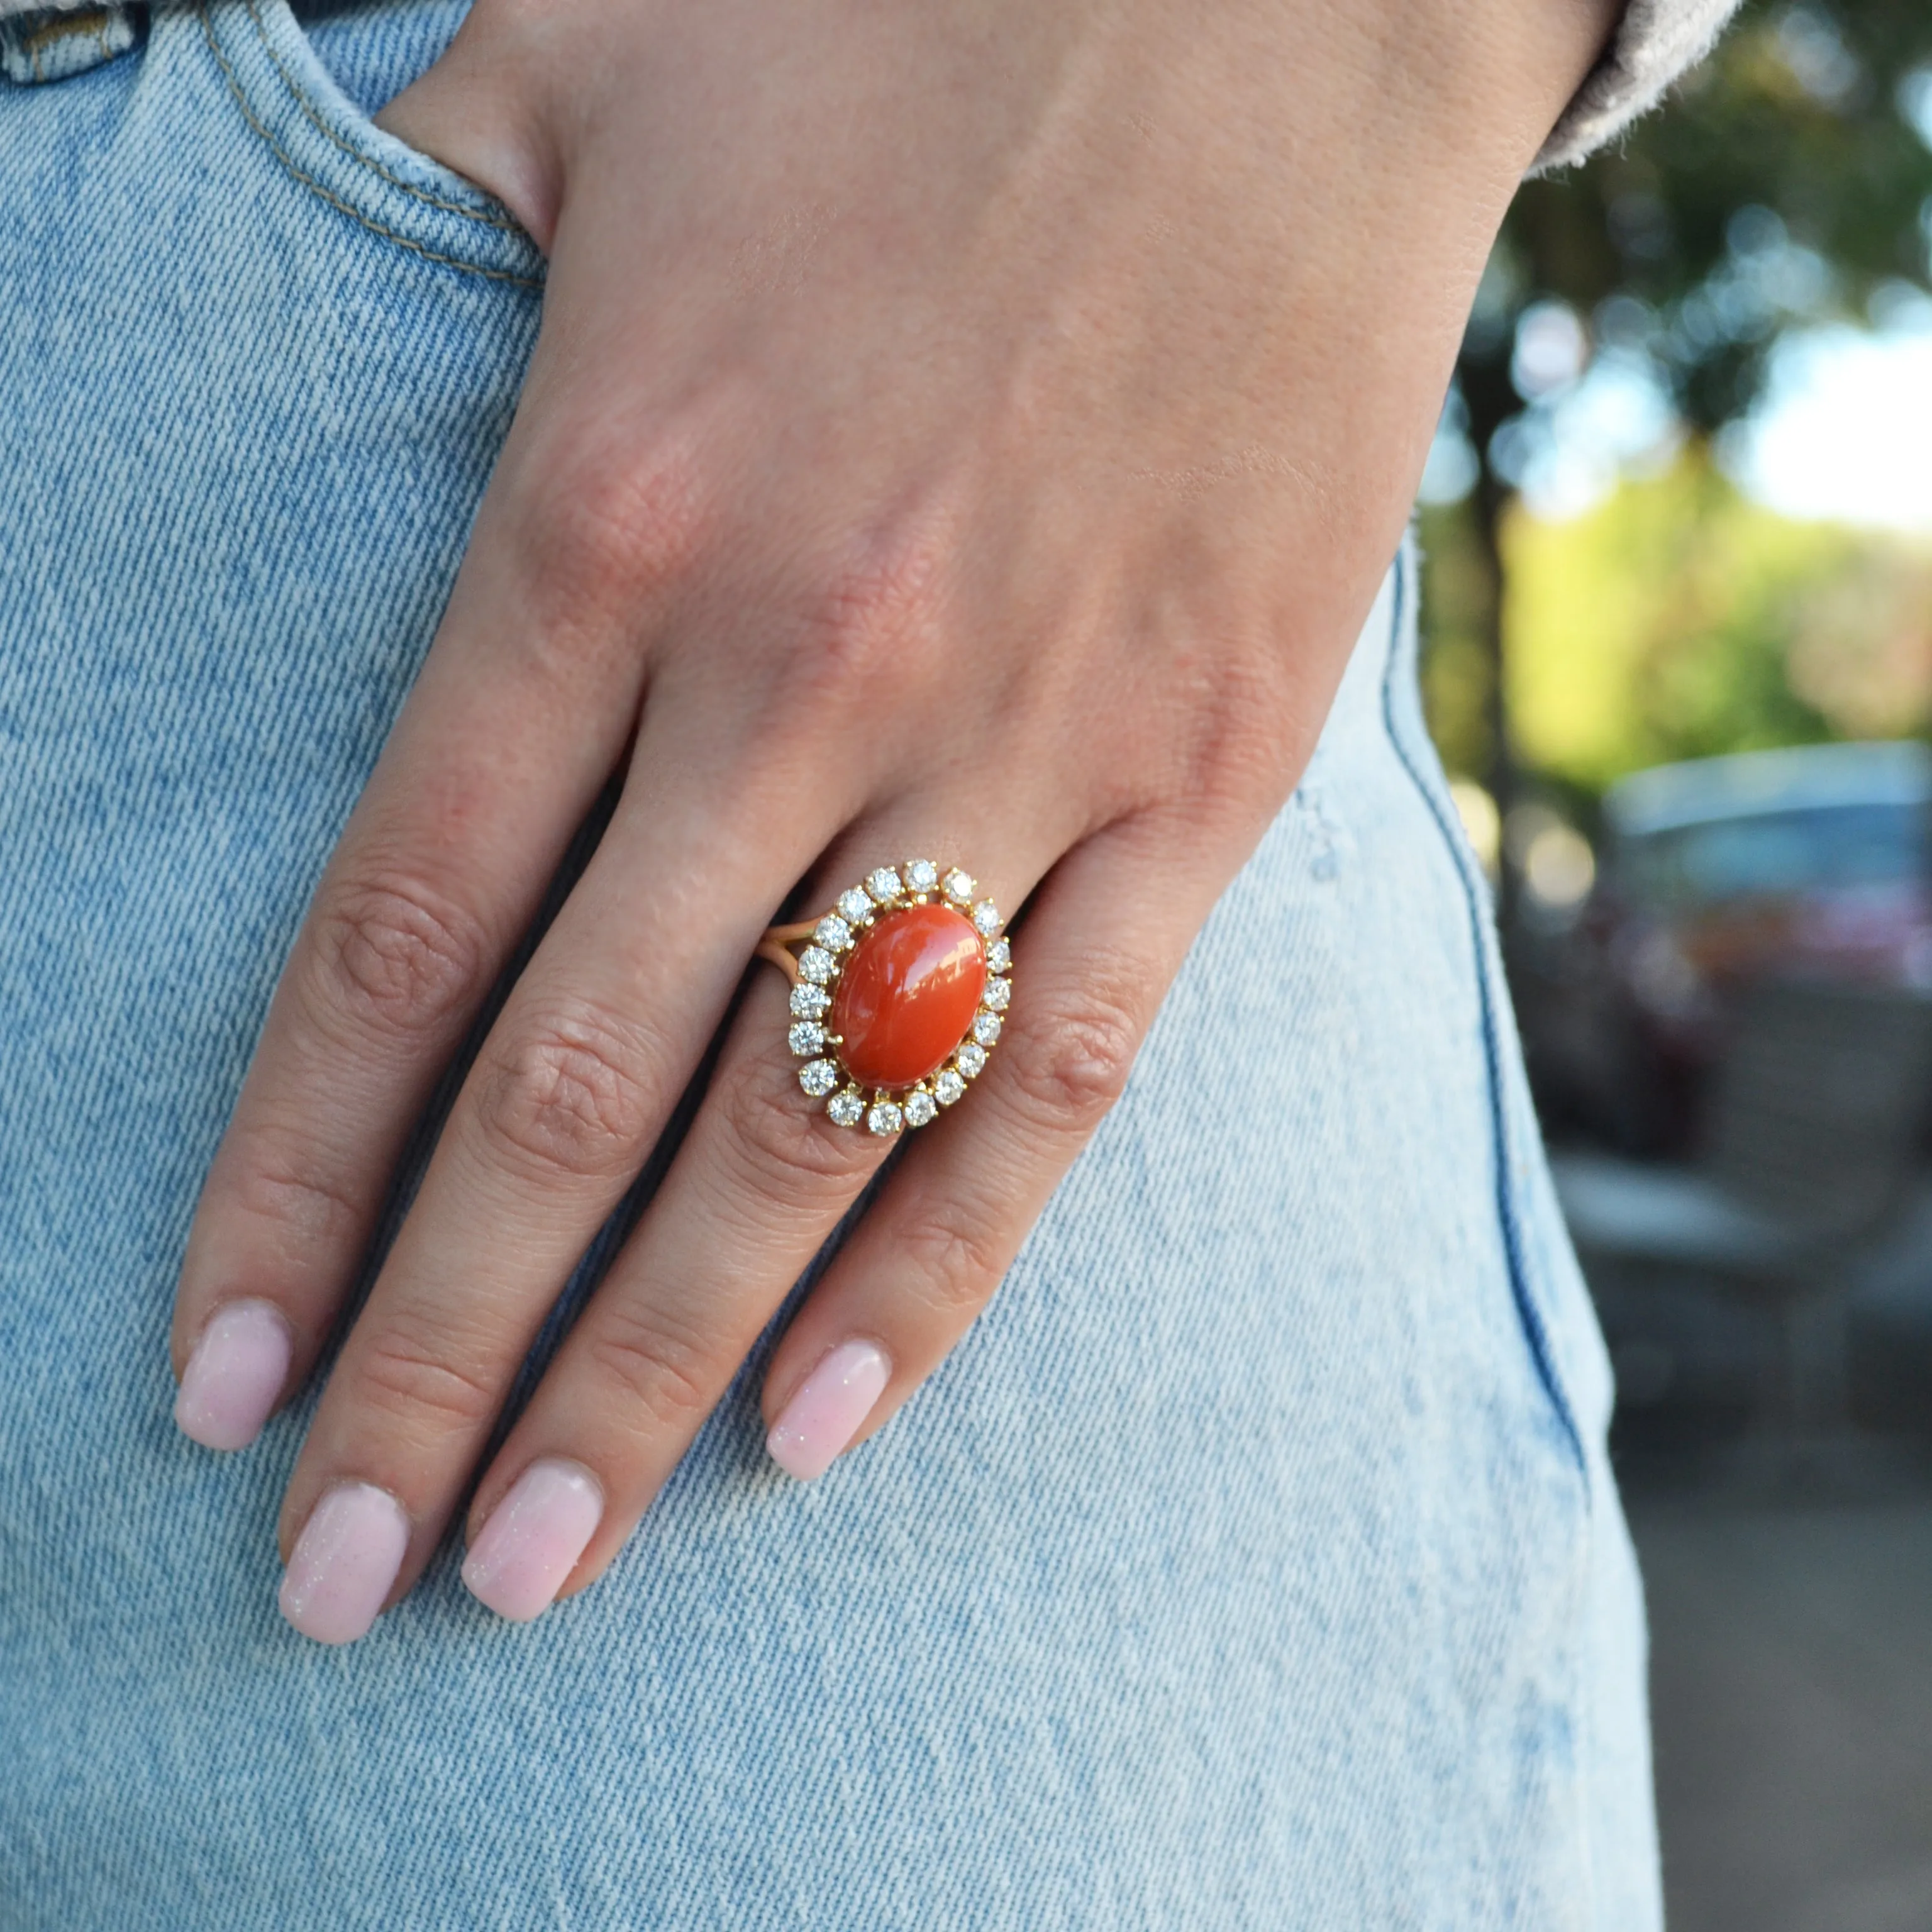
(1654,42)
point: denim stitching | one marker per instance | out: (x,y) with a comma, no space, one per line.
(1528,1314)
(315,187)
(508,224)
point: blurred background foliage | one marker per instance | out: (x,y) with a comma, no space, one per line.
(1680,619)
(1600,594)
(1685,355)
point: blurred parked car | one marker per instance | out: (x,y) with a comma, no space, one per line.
(1813,863)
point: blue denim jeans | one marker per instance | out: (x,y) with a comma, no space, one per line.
(1255,1562)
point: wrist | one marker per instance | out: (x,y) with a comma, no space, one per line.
(1468,91)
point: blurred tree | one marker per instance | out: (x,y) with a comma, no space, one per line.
(1679,618)
(1788,182)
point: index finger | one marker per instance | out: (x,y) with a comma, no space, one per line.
(442,866)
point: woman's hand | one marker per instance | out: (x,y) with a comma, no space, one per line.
(970,430)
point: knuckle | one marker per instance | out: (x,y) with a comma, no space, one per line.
(569,1096)
(391,952)
(272,1185)
(415,1379)
(950,1254)
(1245,724)
(1078,1050)
(608,524)
(781,1153)
(878,622)
(666,1374)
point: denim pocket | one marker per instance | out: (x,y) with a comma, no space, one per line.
(294,106)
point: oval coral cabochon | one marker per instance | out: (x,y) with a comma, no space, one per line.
(908,994)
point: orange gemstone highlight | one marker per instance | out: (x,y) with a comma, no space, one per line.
(908,994)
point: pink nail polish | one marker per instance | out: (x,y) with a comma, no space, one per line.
(825,1412)
(234,1375)
(533,1538)
(345,1560)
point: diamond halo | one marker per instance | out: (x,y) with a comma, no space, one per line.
(815,954)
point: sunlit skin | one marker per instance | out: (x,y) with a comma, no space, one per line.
(977,429)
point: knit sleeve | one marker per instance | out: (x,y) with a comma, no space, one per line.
(1654,42)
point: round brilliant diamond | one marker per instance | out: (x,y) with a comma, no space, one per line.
(846,1109)
(920,1107)
(818,1077)
(886,1118)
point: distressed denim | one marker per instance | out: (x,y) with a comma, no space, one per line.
(1254,1562)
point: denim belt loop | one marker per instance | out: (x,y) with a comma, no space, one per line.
(54,45)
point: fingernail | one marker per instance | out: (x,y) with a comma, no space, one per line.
(825,1413)
(345,1560)
(533,1538)
(233,1377)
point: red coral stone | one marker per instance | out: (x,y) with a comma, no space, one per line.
(908,994)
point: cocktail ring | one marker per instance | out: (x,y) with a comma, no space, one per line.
(897,994)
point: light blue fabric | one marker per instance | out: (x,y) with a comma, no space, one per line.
(1254,1563)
